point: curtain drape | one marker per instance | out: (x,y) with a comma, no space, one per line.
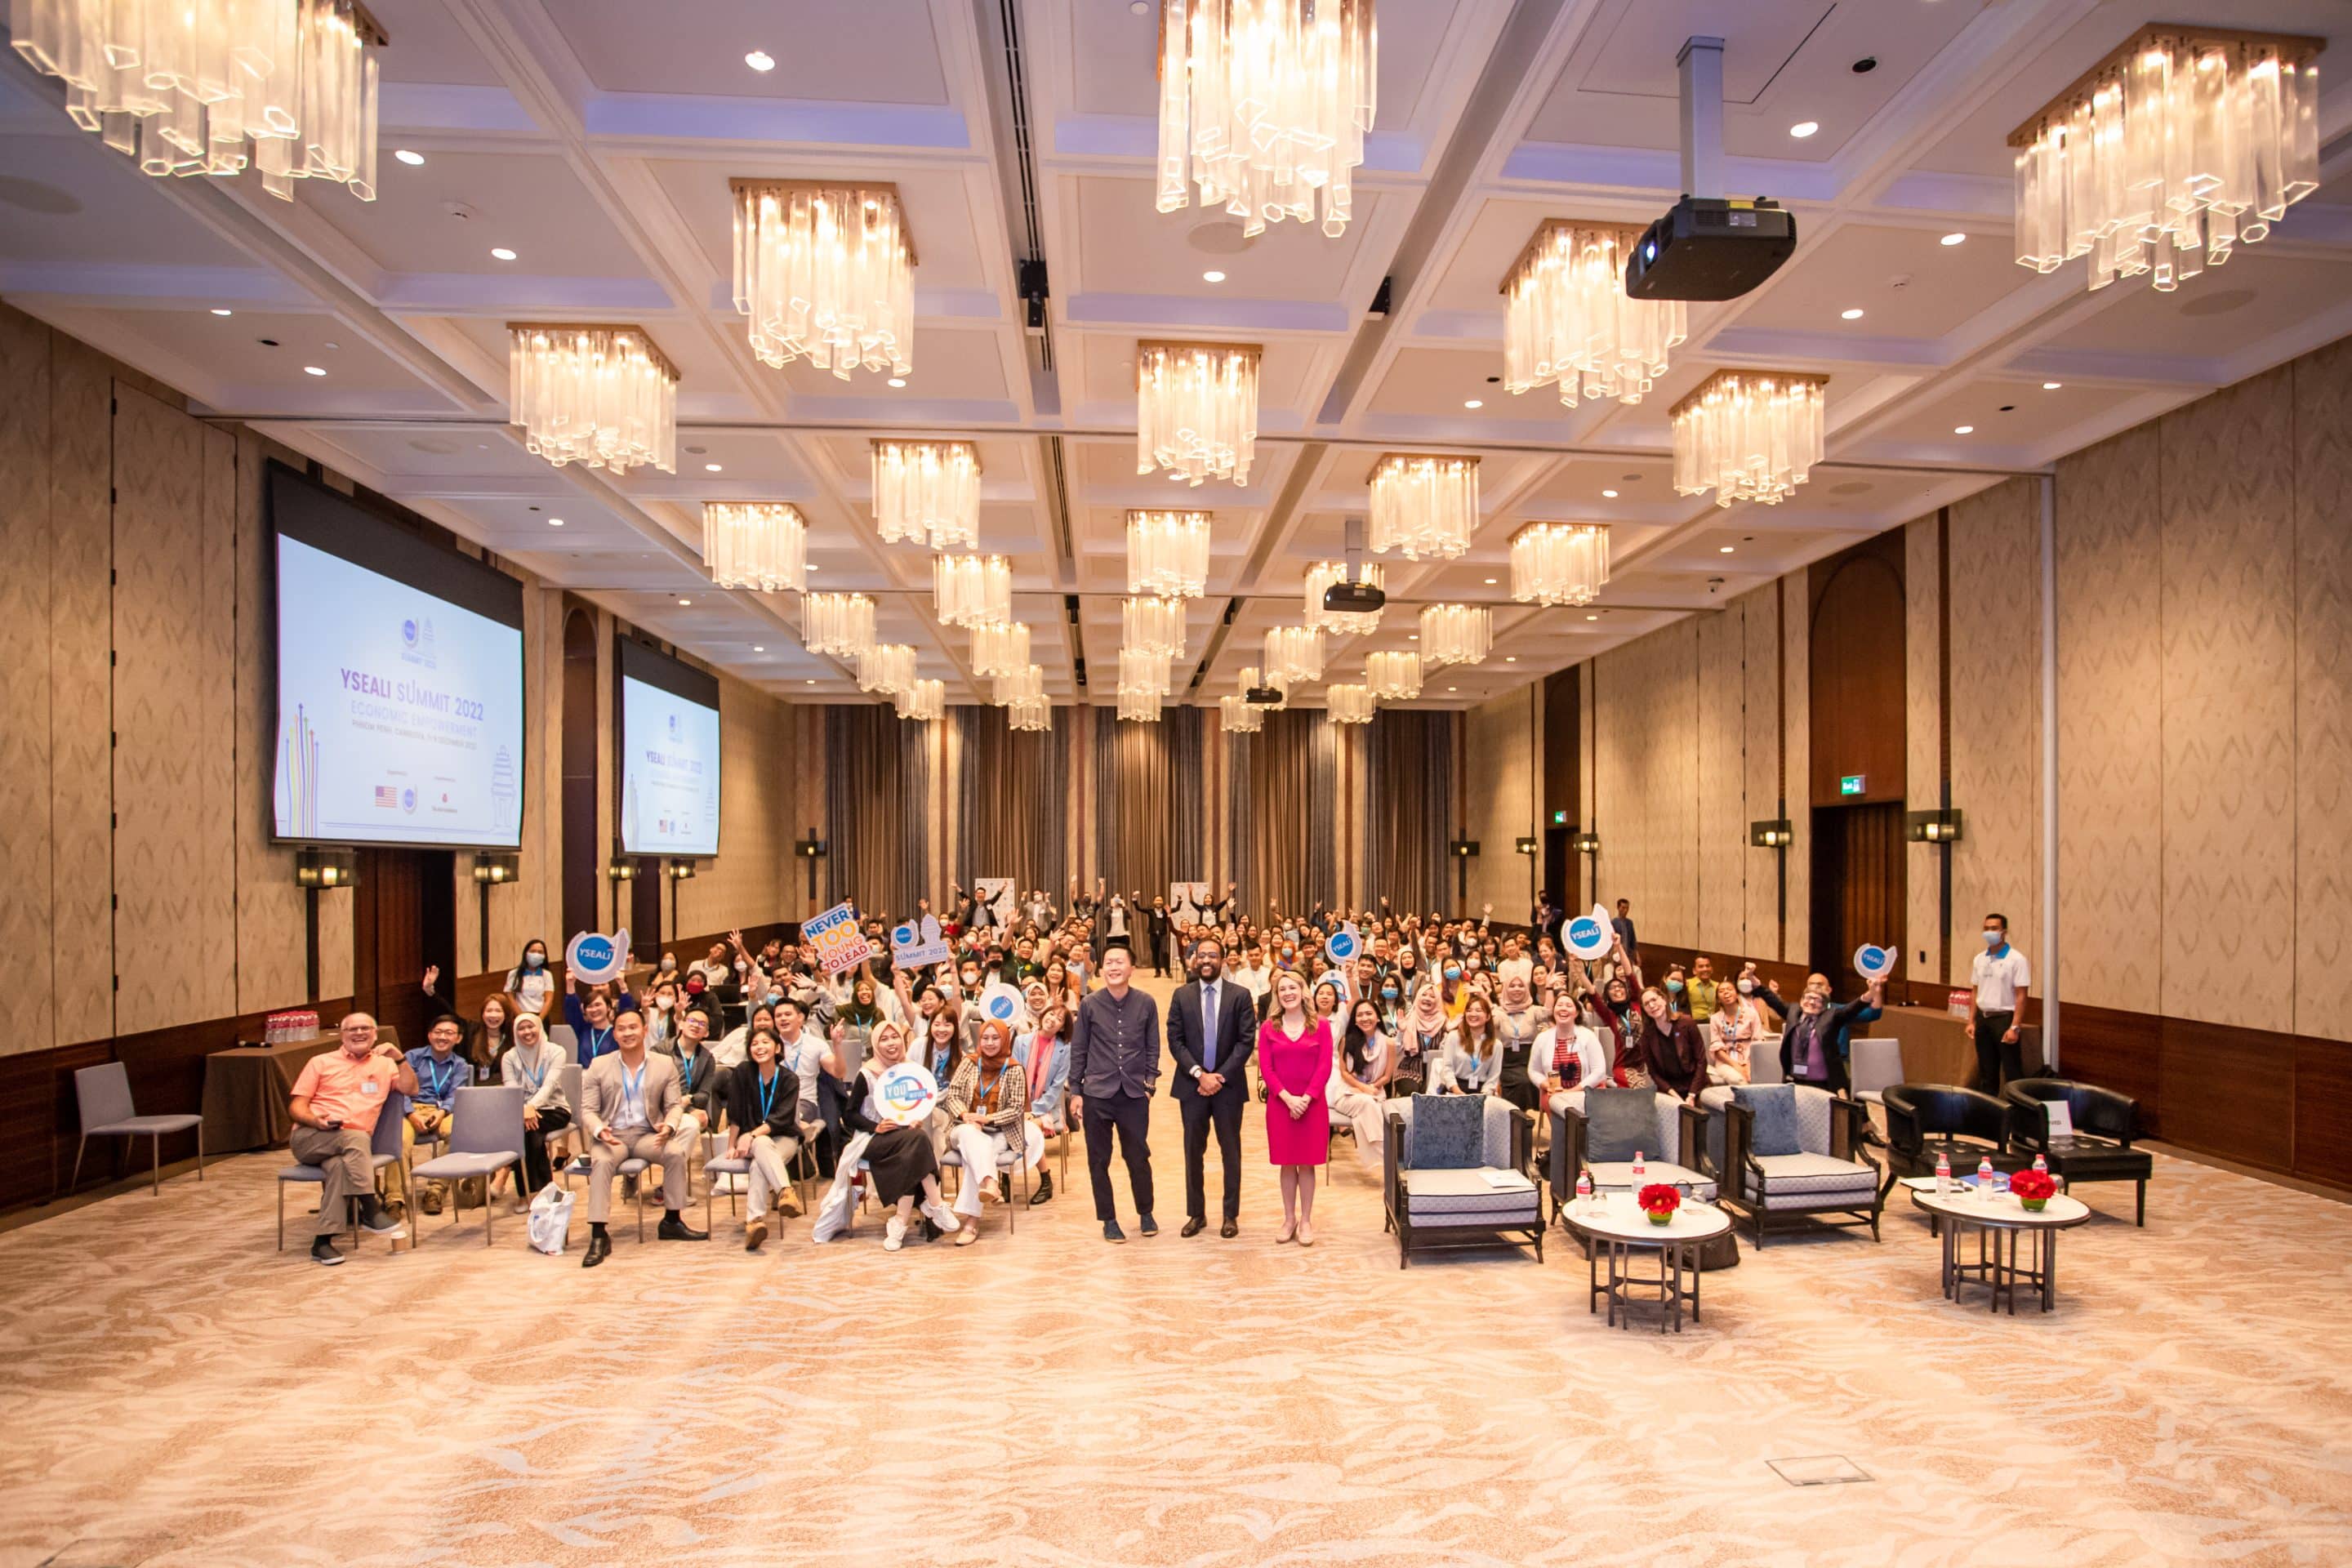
(877,791)
(1012,799)
(1286,854)
(1408,806)
(1148,802)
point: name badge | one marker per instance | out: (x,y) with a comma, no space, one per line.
(369,1085)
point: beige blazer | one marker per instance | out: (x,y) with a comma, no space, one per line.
(600,1091)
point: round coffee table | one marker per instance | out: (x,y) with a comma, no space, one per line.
(2000,1223)
(1615,1225)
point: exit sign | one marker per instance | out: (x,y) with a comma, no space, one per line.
(1852,784)
(1560,819)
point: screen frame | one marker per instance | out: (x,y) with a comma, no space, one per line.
(648,665)
(379,544)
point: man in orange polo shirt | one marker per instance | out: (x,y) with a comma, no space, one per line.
(336,1101)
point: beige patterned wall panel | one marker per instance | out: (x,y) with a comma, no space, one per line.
(1924,946)
(1760,612)
(269,907)
(25,844)
(2229,560)
(1648,780)
(2111,722)
(1499,796)
(1996,661)
(2323,693)
(1721,863)
(80,691)
(174,710)
(1797,764)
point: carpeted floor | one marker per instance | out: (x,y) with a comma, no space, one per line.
(181,1393)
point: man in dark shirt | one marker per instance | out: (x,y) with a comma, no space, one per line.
(1114,1068)
(1624,928)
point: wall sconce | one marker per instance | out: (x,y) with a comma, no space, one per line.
(1770,835)
(620,868)
(1588,842)
(1462,847)
(1526,846)
(327,869)
(1933,826)
(810,848)
(490,869)
(681,870)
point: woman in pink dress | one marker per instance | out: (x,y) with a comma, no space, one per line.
(1294,1057)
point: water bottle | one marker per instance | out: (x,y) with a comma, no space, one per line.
(1985,1178)
(1641,1172)
(2040,1165)
(1584,1191)
(1943,1172)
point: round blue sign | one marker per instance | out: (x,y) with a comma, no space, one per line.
(1873,963)
(1589,936)
(1341,946)
(1001,1008)
(594,953)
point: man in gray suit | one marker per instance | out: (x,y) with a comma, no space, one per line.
(632,1109)
(1114,1068)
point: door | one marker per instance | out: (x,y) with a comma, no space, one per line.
(1858,885)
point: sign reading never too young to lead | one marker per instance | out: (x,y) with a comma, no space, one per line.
(835,936)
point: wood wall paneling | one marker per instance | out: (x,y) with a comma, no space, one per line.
(2322,1113)
(1856,671)
(2225,1090)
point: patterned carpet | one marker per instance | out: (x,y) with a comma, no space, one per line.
(183,1394)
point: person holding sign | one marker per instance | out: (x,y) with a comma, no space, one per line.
(630,1105)
(897,1151)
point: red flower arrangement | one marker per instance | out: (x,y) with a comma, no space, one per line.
(1659,1201)
(2034,1189)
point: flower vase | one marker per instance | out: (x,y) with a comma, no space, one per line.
(1661,1217)
(2034,1206)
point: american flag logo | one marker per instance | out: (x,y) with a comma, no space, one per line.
(387,797)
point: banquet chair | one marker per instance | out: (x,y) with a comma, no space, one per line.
(1007,1163)
(486,1138)
(384,1148)
(102,1094)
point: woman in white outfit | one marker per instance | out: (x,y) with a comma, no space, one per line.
(1569,1057)
(987,1107)
(1472,1062)
(1360,1076)
(1731,1035)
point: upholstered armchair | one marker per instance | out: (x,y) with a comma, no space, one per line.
(2105,1123)
(1599,1132)
(1443,1159)
(1794,1151)
(1925,1120)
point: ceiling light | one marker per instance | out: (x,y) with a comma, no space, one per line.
(1510,659)
(1263,109)
(1016,687)
(711,468)
(759,647)
(1592,618)
(1490,581)
(2051,386)
(1608,495)
(815,567)
(1559,562)
(1196,409)
(1954,239)
(1455,634)
(1153,625)
(222,310)
(1725,549)
(1748,436)
(1239,716)
(1321,576)
(1567,319)
(1212,275)
(761,60)
(972,590)
(1804,128)
(1963,429)
(837,626)
(555,522)
(1475,403)
(1035,717)
(414,160)
(501,253)
(1349,704)
(1393,677)
(1293,653)
(1425,507)
(1000,649)
(1452,689)
(685,602)
(826,273)
(923,701)
(1142,673)
(1852,315)
(1140,706)
(600,395)
(206,89)
(755,544)
(1167,554)
(927,493)
(896,380)
(2180,146)
(884,666)
(312,370)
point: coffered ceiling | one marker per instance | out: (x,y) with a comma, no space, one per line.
(595,139)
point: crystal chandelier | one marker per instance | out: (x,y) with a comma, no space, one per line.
(1252,681)
(1140,706)
(1455,634)
(1393,677)
(1567,319)
(827,274)
(927,493)
(1167,554)
(1026,684)
(1559,562)
(1264,103)
(1196,409)
(972,590)
(999,649)
(887,666)
(837,626)
(600,395)
(1748,434)
(183,85)
(1032,716)
(2180,146)
(1139,670)
(755,544)
(1346,623)
(1426,507)
(924,701)
(1293,653)
(1348,704)
(1153,625)
(1239,716)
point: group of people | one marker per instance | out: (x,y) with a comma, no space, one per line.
(780,1061)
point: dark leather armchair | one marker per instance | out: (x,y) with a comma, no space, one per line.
(1925,1120)
(2105,1123)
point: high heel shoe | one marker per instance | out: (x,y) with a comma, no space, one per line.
(1289,1228)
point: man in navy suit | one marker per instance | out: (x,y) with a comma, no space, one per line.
(1211,1029)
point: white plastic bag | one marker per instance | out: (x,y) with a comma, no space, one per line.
(551,1219)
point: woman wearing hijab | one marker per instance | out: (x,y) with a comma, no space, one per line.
(1420,1042)
(897,1154)
(535,1064)
(987,1108)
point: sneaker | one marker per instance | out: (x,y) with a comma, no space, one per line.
(1149,1225)
(939,1214)
(894,1235)
(788,1204)
(1112,1231)
(377,1220)
(754,1234)
(322,1251)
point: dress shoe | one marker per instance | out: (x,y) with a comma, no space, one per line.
(1112,1231)
(430,1202)
(600,1247)
(1148,1225)
(1230,1229)
(1045,1192)
(1289,1230)
(1193,1226)
(674,1229)
(754,1234)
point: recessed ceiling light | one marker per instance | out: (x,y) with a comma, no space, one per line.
(1804,128)
(1608,495)
(712,469)
(1726,549)
(501,253)
(555,522)
(1475,403)
(1415,636)
(1963,429)
(2051,386)
(761,60)
(413,160)
(1852,315)
(815,567)
(759,647)
(812,680)
(1490,581)
(686,600)
(312,370)
(1592,618)
(1956,239)
(1510,659)
(1212,275)
(897,380)
(222,310)
(1452,689)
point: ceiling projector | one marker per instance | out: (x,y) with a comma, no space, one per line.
(1263,697)
(1353,598)
(1710,248)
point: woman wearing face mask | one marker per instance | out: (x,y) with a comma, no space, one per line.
(1472,1062)
(900,1163)
(1359,1078)
(661,1023)
(1420,1042)
(1294,1051)
(531,986)
(1671,1047)
(1731,1032)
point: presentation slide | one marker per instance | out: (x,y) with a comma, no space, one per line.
(669,756)
(400,712)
